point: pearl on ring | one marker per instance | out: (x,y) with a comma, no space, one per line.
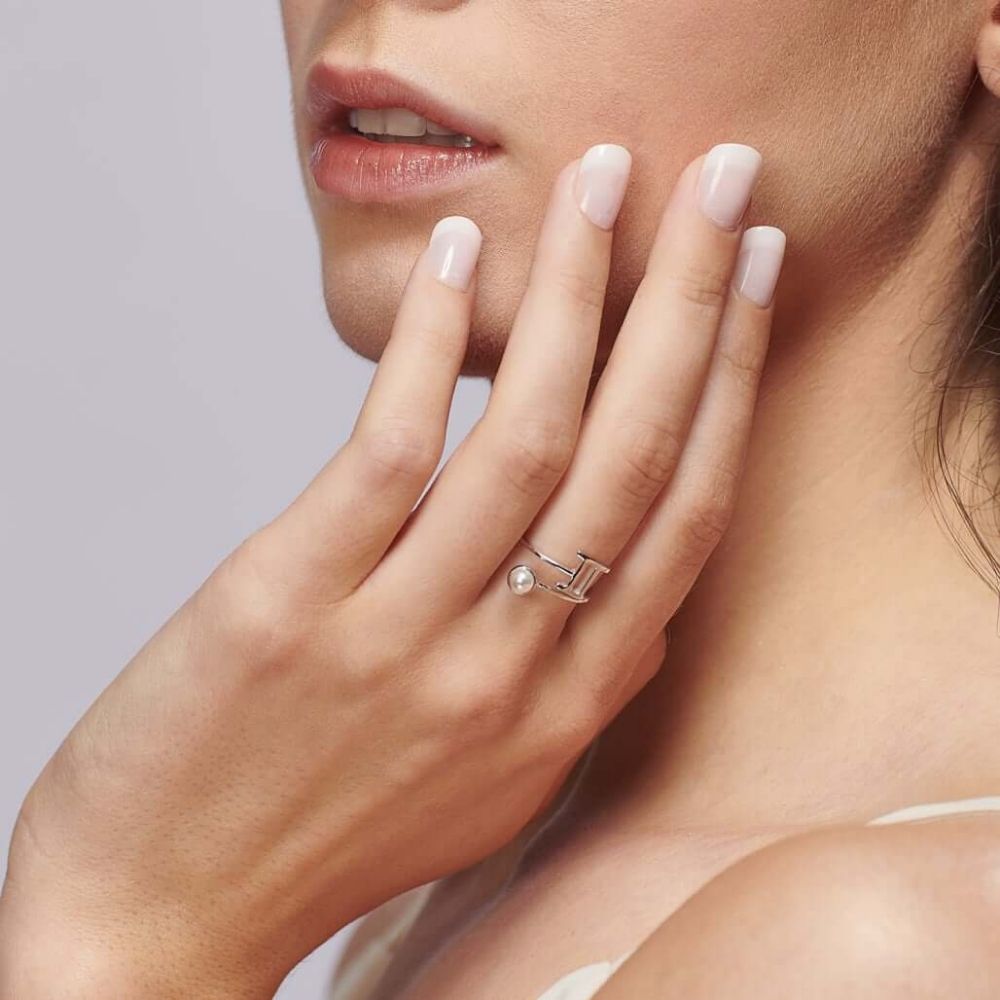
(521,580)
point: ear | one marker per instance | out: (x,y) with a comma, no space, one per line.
(988,49)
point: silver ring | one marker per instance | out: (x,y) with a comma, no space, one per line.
(580,578)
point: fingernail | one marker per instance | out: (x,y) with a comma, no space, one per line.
(453,250)
(601,179)
(758,264)
(728,175)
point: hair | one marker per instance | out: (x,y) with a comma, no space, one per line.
(968,387)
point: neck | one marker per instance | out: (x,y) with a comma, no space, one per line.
(837,656)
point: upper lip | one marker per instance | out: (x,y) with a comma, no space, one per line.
(332,91)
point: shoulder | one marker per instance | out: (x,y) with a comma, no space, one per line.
(898,911)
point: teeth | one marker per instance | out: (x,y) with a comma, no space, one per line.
(460,141)
(369,120)
(400,121)
(393,124)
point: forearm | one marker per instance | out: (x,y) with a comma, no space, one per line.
(42,963)
(54,943)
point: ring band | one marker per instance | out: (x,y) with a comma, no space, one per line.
(580,578)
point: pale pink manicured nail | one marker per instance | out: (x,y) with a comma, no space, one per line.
(728,175)
(453,250)
(762,250)
(601,179)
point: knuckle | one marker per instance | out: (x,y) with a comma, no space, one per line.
(742,361)
(399,448)
(570,734)
(704,287)
(471,707)
(536,453)
(581,286)
(438,339)
(721,487)
(246,602)
(707,518)
(648,457)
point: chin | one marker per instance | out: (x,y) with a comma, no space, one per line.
(362,292)
(367,260)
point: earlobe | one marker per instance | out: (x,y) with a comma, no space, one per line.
(988,51)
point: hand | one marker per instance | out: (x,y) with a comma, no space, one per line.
(354,702)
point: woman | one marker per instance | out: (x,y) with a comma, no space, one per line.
(371,707)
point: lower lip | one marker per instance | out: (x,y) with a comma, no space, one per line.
(350,166)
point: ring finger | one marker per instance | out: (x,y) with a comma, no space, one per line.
(635,428)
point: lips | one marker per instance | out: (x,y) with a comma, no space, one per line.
(331,91)
(348,165)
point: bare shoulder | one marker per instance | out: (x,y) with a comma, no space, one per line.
(909,910)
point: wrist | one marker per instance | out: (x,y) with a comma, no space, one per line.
(79,935)
(49,968)
(46,952)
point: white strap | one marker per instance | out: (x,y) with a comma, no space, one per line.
(928,810)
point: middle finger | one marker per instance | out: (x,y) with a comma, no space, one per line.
(635,428)
(502,473)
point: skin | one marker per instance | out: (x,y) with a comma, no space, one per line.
(849,188)
(835,544)
(300,742)
(873,914)
(227,786)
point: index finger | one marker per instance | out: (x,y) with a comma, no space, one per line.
(341,524)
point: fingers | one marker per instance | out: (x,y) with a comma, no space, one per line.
(664,557)
(503,471)
(636,426)
(347,517)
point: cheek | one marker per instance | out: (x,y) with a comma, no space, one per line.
(364,277)
(850,104)
(668,78)
(365,272)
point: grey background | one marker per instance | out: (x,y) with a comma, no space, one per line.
(168,376)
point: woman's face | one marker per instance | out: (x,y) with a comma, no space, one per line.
(854,106)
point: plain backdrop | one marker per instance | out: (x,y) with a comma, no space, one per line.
(168,377)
